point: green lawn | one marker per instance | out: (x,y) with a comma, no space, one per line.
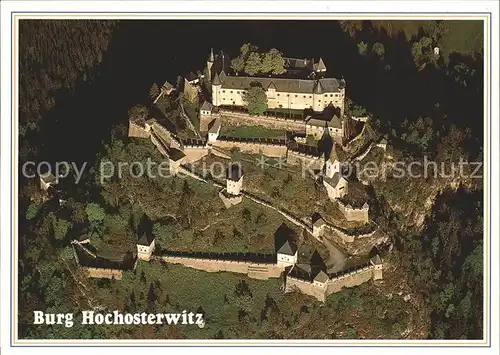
(463,36)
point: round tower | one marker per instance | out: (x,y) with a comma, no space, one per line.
(216,85)
(318,105)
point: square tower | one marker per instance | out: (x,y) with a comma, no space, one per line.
(145,246)
(234,181)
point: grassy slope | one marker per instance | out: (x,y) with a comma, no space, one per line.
(465,37)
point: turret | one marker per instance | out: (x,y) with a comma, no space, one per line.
(342,96)
(321,67)
(210,63)
(332,164)
(318,105)
(216,85)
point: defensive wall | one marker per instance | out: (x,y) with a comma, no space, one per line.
(321,290)
(301,154)
(137,129)
(257,266)
(102,273)
(353,213)
(264,146)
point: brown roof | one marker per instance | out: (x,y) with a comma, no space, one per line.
(146,239)
(281,84)
(191,76)
(321,277)
(214,126)
(333,122)
(207,106)
(288,248)
(235,172)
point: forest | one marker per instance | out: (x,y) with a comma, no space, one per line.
(77,84)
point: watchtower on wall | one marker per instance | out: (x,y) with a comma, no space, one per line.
(376,261)
(234,181)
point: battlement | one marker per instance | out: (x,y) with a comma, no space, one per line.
(193,143)
(263,141)
(321,287)
(354,213)
(254,258)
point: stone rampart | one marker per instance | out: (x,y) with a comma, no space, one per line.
(306,287)
(252,146)
(251,269)
(344,279)
(137,131)
(349,279)
(353,213)
(310,161)
(102,273)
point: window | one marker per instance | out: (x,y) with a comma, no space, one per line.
(278,94)
(287,95)
(310,96)
(224,91)
(295,95)
(231,91)
(331,95)
(319,100)
(223,98)
(304,96)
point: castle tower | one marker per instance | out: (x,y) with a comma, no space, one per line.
(318,105)
(332,164)
(318,225)
(234,180)
(342,96)
(377,267)
(287,255)
(216,86)
(145,246)
(210,63)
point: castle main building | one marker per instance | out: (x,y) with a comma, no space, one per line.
(303,86)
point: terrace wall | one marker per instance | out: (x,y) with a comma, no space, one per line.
(252,147)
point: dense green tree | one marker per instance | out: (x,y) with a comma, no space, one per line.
(362,48)
(95,213)
(255,100)
(253,64)
(238,64)
(32,211)
(378,49)
(273,62)
(154,91)
(61,228)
